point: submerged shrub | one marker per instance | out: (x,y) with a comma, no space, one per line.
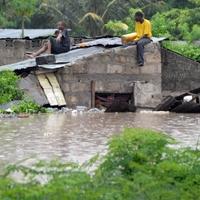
(139,165)
(28,106)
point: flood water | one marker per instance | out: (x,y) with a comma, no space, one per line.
(78,138)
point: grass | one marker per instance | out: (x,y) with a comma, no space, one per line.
(188,50)
(139,165)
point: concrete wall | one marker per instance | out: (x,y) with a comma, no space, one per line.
(179,73)
(12,51)
(114,71)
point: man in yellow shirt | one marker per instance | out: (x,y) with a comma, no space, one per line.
(144,34)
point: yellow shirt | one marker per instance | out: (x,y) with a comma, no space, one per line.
(143,29)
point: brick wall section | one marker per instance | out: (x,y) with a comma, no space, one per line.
(179,73)
(12,51)
(114,71)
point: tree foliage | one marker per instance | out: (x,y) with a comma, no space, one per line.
(93,17)
(181,24)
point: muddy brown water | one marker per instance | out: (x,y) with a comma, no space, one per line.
(78,138)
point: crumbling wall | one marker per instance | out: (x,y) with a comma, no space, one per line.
(179,73)
(114,71)
(13,50)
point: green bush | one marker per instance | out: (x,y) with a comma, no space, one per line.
(28,106)
(139,165)
(116,27)
(195,34)
(9,90)
(160,27)
(188,50)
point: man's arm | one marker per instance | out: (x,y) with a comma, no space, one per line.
(147,30)
(58,39)
(65,34)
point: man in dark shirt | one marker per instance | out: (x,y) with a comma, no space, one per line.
(58,44)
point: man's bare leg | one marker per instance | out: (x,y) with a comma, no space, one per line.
(49,47)
(46,48)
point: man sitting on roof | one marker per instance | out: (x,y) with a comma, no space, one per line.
(58,44)
(141,37)
(144,34)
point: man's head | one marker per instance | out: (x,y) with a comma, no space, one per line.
(139,16)
(61,25)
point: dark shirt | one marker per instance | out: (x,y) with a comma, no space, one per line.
(65,40)
(62,46)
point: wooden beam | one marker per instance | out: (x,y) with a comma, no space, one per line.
(47,89)
(56,89)
(93,84)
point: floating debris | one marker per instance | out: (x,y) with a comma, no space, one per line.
(186,103)
(95,110)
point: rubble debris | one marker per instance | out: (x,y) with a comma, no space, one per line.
(7,116)
(186,103)
(9,105)
(95,110)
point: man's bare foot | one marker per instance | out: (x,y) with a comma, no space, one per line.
(32,55)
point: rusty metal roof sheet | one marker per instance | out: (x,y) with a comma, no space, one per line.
(29,33)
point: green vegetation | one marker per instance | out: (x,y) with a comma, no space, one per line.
(116,27)
(8,87)
(179,24)
(188,50)
(9,91)
(170,18)
(28,106)
(24,10)
(94,17)
(139,165)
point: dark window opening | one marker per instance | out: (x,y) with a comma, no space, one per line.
(115,102)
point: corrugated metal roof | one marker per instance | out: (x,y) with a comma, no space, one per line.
(30,33)
(61,59)
(77,54)
(20,65)
(64,59)
(115,41)
(110,42)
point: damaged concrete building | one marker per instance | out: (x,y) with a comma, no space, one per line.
(99,71)
(103,68)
